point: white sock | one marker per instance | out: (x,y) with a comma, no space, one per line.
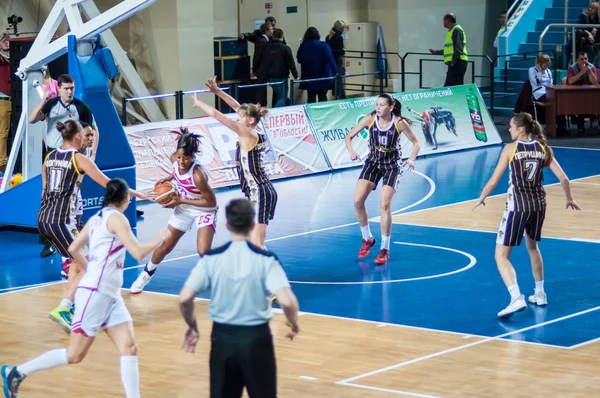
(539,287)
(49,360)
(385,242)
(65,303)
(130,374)
(366,232)
(514,291)
(151,266)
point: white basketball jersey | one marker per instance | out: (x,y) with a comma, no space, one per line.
(107,257)
(188,190)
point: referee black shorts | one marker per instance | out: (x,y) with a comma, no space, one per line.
(242,356)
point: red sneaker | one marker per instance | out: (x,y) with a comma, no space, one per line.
(66,265)
(366,247)
(382,257)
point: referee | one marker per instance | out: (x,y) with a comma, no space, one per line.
(240,277)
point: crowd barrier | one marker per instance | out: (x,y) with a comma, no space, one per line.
(307,139)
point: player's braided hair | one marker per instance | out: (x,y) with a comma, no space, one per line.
(188,142)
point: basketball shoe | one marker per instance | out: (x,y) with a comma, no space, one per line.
(66,266)
(63,317)
(366,247)
(11,379)
(140,283)
(516,305)
(539,298)
(383,257)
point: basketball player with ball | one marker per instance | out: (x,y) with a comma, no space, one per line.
(186,191)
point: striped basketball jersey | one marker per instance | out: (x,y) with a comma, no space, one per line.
(249,164)
(63,179)
(104,272)
(187,188)
(525,191)
(384,142)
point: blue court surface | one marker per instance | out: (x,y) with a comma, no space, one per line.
(437,278)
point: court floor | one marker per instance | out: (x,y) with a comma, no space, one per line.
(424,325)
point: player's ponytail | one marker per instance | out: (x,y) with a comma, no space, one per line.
(117,191)
(534,130)
(69,129)
(255,111)
(188,142)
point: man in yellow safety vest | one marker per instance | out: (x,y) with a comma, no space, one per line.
(455,51)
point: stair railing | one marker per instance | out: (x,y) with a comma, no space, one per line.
(566,25)
(567,21)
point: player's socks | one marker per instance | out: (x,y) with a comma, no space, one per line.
(48,360)
(65,303)
(385,242)
(514,291)
(539,287)
(130,375)
(366,232)
(150,268)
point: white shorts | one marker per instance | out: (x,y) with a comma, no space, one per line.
(79,205)
(95,311)
(183,221)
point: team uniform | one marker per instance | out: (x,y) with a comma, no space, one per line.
(56,217)
(526,199)
(254,180)
(385,154)
(98,301)
(186,216)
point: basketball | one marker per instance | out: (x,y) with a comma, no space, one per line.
(165,192)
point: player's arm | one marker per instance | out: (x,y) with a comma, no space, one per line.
(76,248)
(564,183)
(214,88)
(498,172)
(405,128)
(237,128)
(119,225)
(364,123)
(88,167)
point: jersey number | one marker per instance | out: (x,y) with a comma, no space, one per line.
(531,167)
(55,179)
(383,140)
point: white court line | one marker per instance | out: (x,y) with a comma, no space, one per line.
(410,394)
(472,262)
(462,347)
(587,183)
(28,287)
(314,231)
(308,378)
(573,147)
(584,343)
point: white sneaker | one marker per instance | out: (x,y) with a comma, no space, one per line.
(540,299)
(140,283)
(517,305)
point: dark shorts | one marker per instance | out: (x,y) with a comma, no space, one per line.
(515,223)
(60,235)
(264,199)
(389,174)
(242,356)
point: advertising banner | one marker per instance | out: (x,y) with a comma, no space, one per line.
(291,150)
(443,120)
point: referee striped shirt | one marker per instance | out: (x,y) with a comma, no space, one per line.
(240,277)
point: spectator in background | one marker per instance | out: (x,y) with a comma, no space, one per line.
(252,36)
(258,64)
(502,19)
(5,103)
(585,38)
(316,61)
(336,43)
(540,77)
(582,73)
(279,63)
(50,85)
(455,52)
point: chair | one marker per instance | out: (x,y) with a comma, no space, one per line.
(526,101)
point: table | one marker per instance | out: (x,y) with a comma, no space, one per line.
(570,100)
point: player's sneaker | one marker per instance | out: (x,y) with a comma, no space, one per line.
(140,283)
(273,300)
(540,299)
(382,257)
(516,305)
(366,247)
(63,317)
(11,380)
(66,266)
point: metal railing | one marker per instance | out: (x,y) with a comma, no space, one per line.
(566,25)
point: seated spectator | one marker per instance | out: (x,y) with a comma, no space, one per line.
(582,73)
(585,38)
(540,78)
